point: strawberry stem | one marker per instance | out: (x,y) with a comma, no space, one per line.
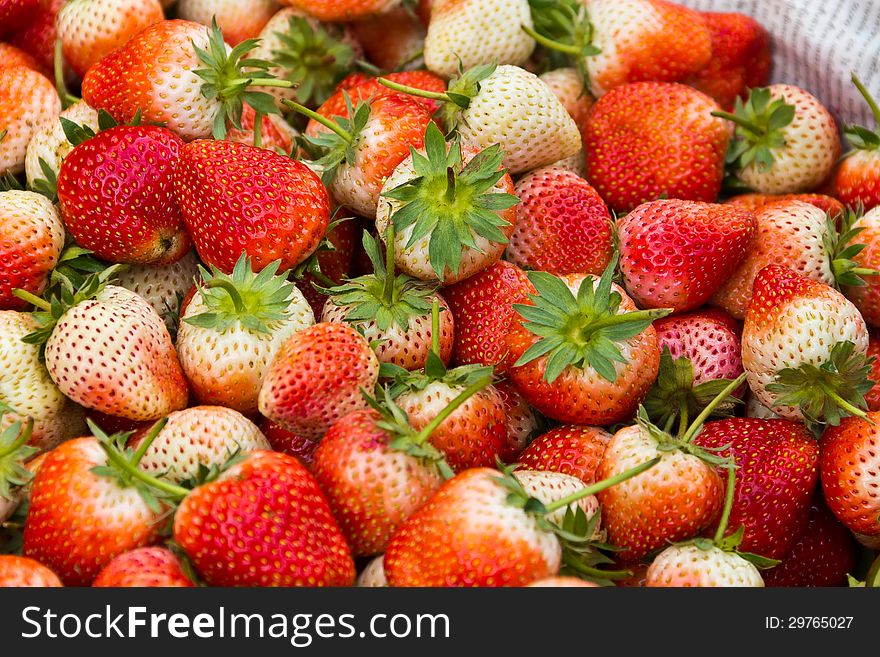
(599,486)
(323,120)
(550,44)
(435,326)
(262,82)
(258,130)
(710,408)
(154,431)
(875,110)
(388,288)
(572,562)
(453,406)
(728,504)
(413,91)
(683,417)
(23,437)
(740,121)
(176,492)
(842,403)
(231,290)
(32,299)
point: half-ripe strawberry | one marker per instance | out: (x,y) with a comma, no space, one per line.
(569,449)
(241,199)
(568,86)
(232,329)
(49,146)
(28,100)
(650,139)
(856,180)
(562,224)
(342,11)
(360,87)
(849,468)
(116,195)
(690,565)
(91,29)
(144,567)
(316,378)
(31,239)
(583,354)
(452,210)
(239,19)
(279,532)
(483,308)
(754,202)
(12,56)
(676,254)
(20,572)
(803,348)
(466,33)
(785,141)
(288,442)
(393,40)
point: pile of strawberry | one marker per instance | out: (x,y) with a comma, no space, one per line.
(462,293)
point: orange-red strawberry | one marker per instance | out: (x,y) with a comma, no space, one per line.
(866,296)
(241,199)
(238,19)
(361,88)
(562,224)
(676,254)
(28,100)
(144,567)
(569,449)
(392,39)
(12,56)
(19,572)
(521,420)
(856,180)
(117,198)
(873,354)
(648,139)
(340,11)
(754,202)
(288,442)
(38,36)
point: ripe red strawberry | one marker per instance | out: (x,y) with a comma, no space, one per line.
(562,224)
(483,308)
(341,11)
(116,196)
(91,29)
(38,36)
(849,468)
(281,521)
(741,58)
(238,19)
(28,100)
(867,295)
(362,88)
(335,263)
(569,449)
(288,442)
(856,180)
(648,139)
(803,348)
(823,555)
(316,378)
(15,13)
(393,39)
(31,239)
(521,420)
(873,396)
(755,202)
(676,254)
(595,381)
(23,572)
(144,567)
(777,469)
(283,215)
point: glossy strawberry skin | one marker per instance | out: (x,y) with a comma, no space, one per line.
(360,87)
(144,567)
(873,396)
(569,449)
(857,179)
(755,202)
(289,443)
(241,199)
(18,571)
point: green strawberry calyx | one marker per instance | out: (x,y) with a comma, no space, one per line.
(451,203)
(256,301)
(582,330)
(564,26)
(838,243)
(829,392)
(14,452)
(760,129)
(313,57)
(864,139)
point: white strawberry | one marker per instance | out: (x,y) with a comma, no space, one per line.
(548,487)
(691,565)
(373,574)
(50,144)
(568,86)
(27,101)
(239,19)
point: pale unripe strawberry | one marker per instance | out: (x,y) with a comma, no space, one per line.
(91,29)
(690,565)
(50,144)
(568,86)
(27,100)
(373,574)
(562,582)
(198,436)
(238,19)
(577,164)
(466,33)
(547,487)
(112,353)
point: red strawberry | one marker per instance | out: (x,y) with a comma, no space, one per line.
(28,101)
(823,555)
(23,572)
(15,13)
(856,180)
(755,202)
(335,264)
(239,19)
(283,215)
(38,36)
(873,396)
(340,11)
(562,224)
(276,133)
(288,442)
(360,88)
(144,567)
(676,254)
(569,449)
(116,195)
(392,39)
(647,139)
(521,420)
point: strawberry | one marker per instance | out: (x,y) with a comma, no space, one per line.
(452,211)
(275,133)
(283,215)
(583,354)
(741,58)
(49,146)
(754,202)
(15,13)
(11,56)
(238,20)
(316,378)
(823,555)
(562,224)
(281,521)
(856,179)
(866,295)
(561,582)
(194,438)
(91,29)
(648,139)
(232,329)
(27,101)
(466,33)
(849,468)
(116,196)
(38,36)
(873,355)
(483,309)
(521,420)
(803,348)
(373,574)
(334,263)
(288,442)
(568,86)
(144,567)
(785,141)
(569,449)
(777,469)
(691,565)
(676,254)
(23,572)
(361,87)
(31,239)
(392,40)
(340,11)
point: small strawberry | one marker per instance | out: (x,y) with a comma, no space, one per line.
(373,574)
(521,420)
(49,146)
(692,565)
(144,567)
(568,86)
(341,11)
(856,180)
(395,39)
(23,572)
(569,449)
(239,20)
(785,141)
(316,378)
(288,442)
(28,100)
(649,139)
(562,224)
(754,202)
(676,254)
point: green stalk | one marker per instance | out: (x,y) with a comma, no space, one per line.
(23,437)
(702,417)
(741,122)
(177,492)
(258,130)
(58,64)
(148,440)
(842,403)
(423,435)
(571,561)
(868,98)
(32,299)
(413,91)
(626,318)
(599,486)
(388,289)
(323,120)
(550,44)
(263,82)
(435,326)
(682,418)
(728,505)
(231,290)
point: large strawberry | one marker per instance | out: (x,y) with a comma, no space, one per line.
(676,254)
(238,19)
(20,572)
(650,139)
(569,449)
(283,216)
(856,180)
(28,100)
(144,567)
